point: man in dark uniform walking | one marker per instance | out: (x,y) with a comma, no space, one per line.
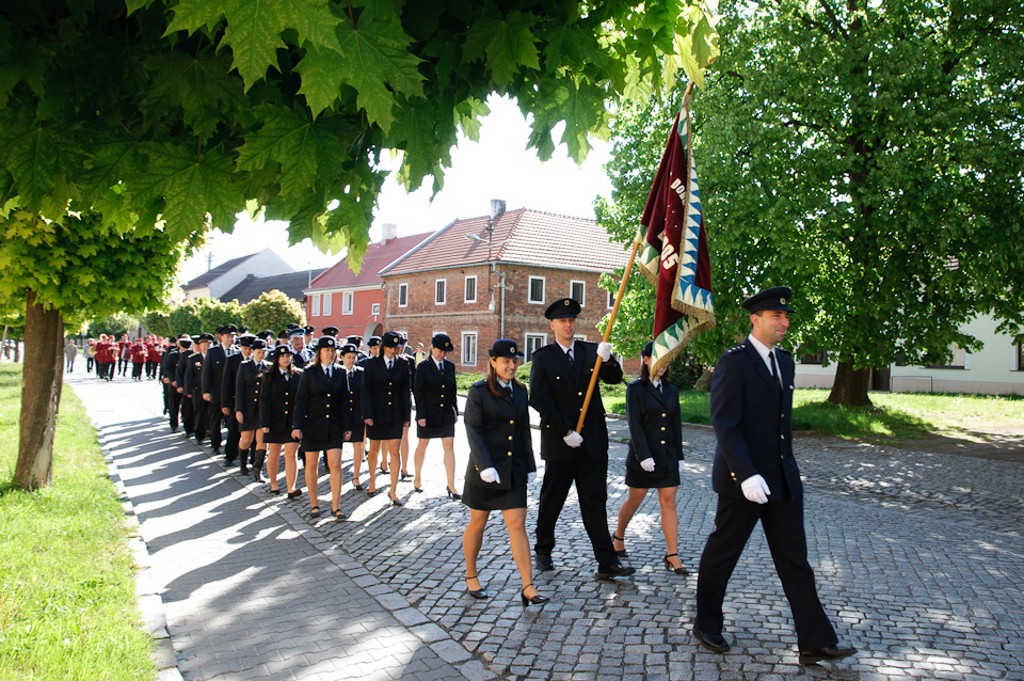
(227,399)
(213,386)
(168,365)
(193,386)
(559,380)
(756,478)
(180,371)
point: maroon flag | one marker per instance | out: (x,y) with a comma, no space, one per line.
(673,248)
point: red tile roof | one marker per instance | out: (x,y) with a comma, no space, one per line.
(521,236)
(378,255)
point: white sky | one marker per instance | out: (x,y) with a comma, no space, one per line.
(499,166)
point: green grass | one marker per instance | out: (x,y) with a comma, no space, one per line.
(67,592)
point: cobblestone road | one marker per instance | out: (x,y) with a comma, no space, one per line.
(918,557)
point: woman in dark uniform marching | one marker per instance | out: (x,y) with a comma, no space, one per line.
(352,413)
(386,405)
(436,410)
(318,421)
(248,381)
(277,401)
(501,465)
(655,456)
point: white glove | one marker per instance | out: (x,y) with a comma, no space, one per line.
(489,475)
(682,465)
(755,489)
(530,477)
(573,439)
(647,464)
(604,351)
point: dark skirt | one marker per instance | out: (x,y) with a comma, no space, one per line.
(488,499)
(385,431)
(358,435)
(667,476)
(310,445)
(248,423)
(273,438)
(428,432)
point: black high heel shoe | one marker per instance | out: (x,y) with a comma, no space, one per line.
(452,495)
(678,570)
(480,593)
(534,600)
(622,553)
(395,502)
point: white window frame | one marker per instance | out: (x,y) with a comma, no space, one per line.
(315,305)
(440,286)
(375,309)
(403,295)
(348,302)
(542,339)
(529,290)
(469,342)
(325,305)
(465,289)
(582,300)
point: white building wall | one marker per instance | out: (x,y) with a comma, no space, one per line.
(992,370)
(263,264)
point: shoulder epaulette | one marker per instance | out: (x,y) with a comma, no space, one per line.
(737,348)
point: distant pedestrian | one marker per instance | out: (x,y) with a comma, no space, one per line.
(756,478)
(436,410)
(355,428)
(70,353)
(501,465)
(138,354)
(655,456)
(90,355)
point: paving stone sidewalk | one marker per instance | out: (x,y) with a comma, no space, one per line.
(918,558)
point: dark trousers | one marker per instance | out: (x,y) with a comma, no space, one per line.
(150,369)
(137,371)
(122,366)
(201,417)
(89,361)
(591,478)
(188,415)
(231,440)
(173,399)
(783,525)
(214,419)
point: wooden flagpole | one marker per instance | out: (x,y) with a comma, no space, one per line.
(607,334)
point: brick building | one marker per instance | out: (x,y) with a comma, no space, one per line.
(355,302)
(493,276)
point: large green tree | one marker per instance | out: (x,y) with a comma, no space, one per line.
(176,114)
(868,154)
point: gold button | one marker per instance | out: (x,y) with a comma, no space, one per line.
(509,437)
(663,414)
(663,428)
(511,421)
(510,453)
(782,437)
(662,442)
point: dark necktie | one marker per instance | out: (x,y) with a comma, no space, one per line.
(390,364)
(508,389)
(775,370)
(568,354)
(348,381)
(327,372)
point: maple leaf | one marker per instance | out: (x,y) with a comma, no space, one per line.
(579,105)
(190,187)
(378,65)
(200,86)
(302,149)
(508,43)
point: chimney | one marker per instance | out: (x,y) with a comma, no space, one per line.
(497,208)
(389,231)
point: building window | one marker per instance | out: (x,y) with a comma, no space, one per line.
(611,299)
(316,305)
(578,292)
(470,289)
(346,302)
(325,306)
(534,341)
(817,358)
(958,361)
(469,348)
(440,287)
(403,295)
(375,309)
(537,290)
(1020,356)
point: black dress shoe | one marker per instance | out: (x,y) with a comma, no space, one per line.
(544,562)
(829,653)
(614,570)
(716,643)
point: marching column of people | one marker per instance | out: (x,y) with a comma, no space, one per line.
(315,394)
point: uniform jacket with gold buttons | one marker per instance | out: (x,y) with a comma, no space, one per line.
(319,407)
(248,382)
(435,393)
(655,429)
(498,430)
(557,390)
(277,400)
(387,395)
(752,417)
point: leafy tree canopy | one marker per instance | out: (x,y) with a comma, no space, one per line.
(202,315)
(866,154)
(273,310)
(178,112)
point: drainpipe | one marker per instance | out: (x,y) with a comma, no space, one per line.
(502,286)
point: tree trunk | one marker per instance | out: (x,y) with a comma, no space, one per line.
(41,382)
(850,387)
